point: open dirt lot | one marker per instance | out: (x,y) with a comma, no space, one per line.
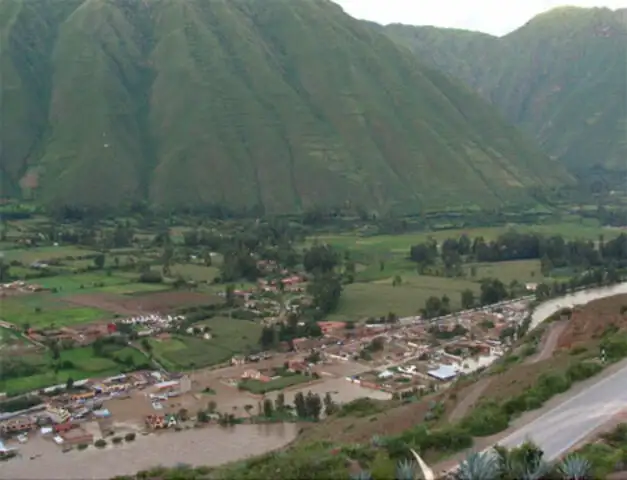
(592,320)
(162,302)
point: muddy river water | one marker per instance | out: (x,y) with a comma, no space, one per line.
(207,446)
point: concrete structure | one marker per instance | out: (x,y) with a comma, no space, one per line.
(443,372)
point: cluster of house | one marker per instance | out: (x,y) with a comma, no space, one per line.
(153,323)
(49,420)
(412,358)
(79,335)
(296,365)
(64,416)
(19,287)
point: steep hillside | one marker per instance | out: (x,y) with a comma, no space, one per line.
(273,106)
(562,77)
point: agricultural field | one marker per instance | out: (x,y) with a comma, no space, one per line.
(258,387)
(228,337)
(80,282)
(382,260)
(47,311)
(196,273)
(76,363)
(401,243)
(34,254)
(372,299)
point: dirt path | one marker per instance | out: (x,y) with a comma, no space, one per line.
(469,400)
(549,343)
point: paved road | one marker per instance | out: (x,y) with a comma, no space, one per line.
(559,429)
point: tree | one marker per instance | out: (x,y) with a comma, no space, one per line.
(146,345)
(268,408)
(211,406)
(279,403)
(202,416)
(99,261)
(543,291)
(313,405)
(320,258)
(229,295)
(326,290)
(330,407)
(492,291)
(248,407)
(468,299)
(5,271)
(268,337)
(299,404)
(69,384)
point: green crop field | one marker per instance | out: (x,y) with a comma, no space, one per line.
(43,311)
(402,243)
(29,255)
(259,387)
(83,364)
(229,337)
(197,273)
(80,282)
(373,299)
(520,270)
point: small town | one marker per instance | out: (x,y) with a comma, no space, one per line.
(384,358)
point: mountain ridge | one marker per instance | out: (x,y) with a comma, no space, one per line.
(242,104)
(562,77)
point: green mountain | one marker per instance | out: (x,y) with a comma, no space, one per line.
(278,105)
(562,77)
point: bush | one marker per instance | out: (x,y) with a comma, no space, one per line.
(116,440)
(151,276)
(82,446)
(100,443)
(486,420)
(129,437)
(583,370)
(360,408)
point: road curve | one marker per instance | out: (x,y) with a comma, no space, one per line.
(562,427)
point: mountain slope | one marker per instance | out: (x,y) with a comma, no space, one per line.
(273,106)
(562,77)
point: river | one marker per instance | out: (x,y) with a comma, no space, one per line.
(548,308)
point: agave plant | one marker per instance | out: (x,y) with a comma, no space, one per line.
(406,470)
(535,470)
(377,441)
(575,467)
(479,466)
(361,475)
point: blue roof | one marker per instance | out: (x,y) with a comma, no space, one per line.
(443,372)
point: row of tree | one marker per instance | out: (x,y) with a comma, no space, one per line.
(554,251)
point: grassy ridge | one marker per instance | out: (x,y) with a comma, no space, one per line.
(561,77)
(277,106)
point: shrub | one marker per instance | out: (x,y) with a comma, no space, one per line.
(486,420)
(116,440)
(82,446)
(583,370)
(100,443)
(129,437)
